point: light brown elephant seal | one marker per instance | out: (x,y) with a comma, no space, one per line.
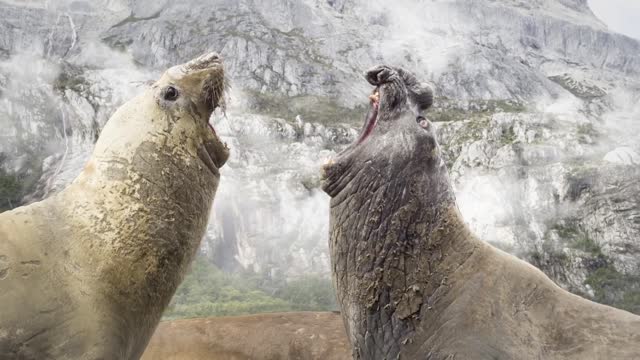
(414,283)
(87,273)
(281,336)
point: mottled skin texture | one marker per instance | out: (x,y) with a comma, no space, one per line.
(284,336)
(87,273)
(414,283)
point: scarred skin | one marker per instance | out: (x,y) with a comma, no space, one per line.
(87,273)
(414,283)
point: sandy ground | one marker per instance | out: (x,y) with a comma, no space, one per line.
(303,336)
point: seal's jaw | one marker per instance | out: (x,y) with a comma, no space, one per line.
(213,154)
(197,88)
(393,124)
(372,117)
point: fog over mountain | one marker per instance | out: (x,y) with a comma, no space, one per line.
(537,111)
(619,15)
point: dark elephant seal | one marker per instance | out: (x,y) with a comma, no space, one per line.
(87,273)
(414,283)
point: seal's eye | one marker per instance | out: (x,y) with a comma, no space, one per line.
(171,94)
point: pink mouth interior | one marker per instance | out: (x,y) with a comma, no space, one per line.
(372,120)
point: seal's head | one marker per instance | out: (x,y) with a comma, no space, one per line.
(397,92)
(196,89)
(158,151)
(171,118)
(395,137)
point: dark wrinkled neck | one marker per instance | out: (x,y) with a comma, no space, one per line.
(396,237)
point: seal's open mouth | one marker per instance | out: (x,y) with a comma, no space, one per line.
(213,154)
(372,117)
(370,123)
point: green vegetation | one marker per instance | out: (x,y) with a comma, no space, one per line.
(328,111)
(309,293)
(471,131)
(586,133)
(587,129)
(310,108)
(508,136)
(446,115)
(616,289)
(609,286)
(207,291)
(9,191)
(14,186)
(70,79)
(577,239)
(541,257)
(584,243)
(447,110)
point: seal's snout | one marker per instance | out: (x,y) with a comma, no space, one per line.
(203,62)
(203,79)
(380,75)
(210,68)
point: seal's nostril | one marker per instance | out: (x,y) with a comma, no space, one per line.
(423,122)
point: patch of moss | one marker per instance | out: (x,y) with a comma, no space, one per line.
(616,289)
(565,231)
(586,132)
(587,129)
(471,131)
(15,186)
(448,115)
(547,257)
(447,110)
(10,191)
(71,78)
(584,243)
(508,106)
(310,108)
(508,136)
(577,238)
(610,287)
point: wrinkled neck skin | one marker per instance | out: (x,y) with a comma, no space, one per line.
(136,214)
(396,233)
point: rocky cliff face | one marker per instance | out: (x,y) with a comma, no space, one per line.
(536,109)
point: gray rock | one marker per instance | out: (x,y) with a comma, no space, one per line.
(623,156)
